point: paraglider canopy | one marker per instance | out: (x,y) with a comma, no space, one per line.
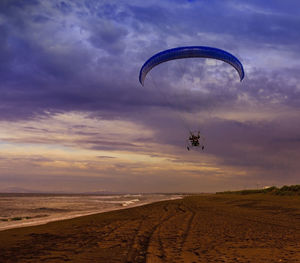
(190,52)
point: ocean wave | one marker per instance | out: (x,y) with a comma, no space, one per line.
(130,202)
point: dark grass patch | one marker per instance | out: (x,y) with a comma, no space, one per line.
(285,190)
(17,218)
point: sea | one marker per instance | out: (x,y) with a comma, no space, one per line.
(20,210)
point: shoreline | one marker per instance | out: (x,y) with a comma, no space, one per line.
(50,219)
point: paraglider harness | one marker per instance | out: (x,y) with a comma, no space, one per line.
(194,141)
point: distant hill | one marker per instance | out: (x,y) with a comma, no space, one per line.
(19,190)
(285,190)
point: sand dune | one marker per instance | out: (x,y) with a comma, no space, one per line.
(208,228)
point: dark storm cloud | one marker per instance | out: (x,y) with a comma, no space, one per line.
(9,6)
(51,67)
(43,72)
(268,148)
(241,22)
(108,37)
(290,7)
(51,73)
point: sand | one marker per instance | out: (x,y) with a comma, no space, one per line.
(206,228)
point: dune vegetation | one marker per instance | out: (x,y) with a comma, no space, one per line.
(284,190)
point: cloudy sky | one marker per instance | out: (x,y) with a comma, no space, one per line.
(74,117)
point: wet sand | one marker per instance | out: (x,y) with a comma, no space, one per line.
(206,228)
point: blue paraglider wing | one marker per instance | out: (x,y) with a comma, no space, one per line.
(190,52)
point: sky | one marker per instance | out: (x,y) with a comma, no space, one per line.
(74,117)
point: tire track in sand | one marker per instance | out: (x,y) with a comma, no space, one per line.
(188,227)
(155,252)
(134,255)
(186,233)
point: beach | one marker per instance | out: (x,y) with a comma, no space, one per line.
(203,228)
(19,210)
